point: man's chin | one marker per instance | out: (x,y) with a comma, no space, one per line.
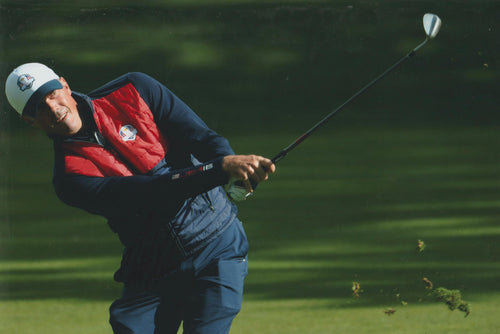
(73,127)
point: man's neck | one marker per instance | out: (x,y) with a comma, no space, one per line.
(86,115)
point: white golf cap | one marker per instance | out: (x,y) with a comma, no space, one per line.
(28,84)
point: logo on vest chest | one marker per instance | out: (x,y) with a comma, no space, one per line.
(128,132)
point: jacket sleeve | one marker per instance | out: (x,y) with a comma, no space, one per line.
(131,195)
(178,122)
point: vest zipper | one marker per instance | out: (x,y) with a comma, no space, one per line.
(99,138)
(209,201)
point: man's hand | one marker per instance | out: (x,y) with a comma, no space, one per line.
(248,169)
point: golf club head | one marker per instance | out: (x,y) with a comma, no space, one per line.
(432,24)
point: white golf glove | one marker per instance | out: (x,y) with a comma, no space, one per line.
(236,192)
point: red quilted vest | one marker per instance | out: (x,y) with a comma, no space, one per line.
(134,143)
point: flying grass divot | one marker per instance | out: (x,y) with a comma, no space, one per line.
(400,299)
(356,290)
(420,246)
(451,298)
(390,311)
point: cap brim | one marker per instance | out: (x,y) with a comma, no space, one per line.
(32,104)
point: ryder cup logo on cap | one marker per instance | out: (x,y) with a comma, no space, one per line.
(25,81)
(128,132)
(28,84)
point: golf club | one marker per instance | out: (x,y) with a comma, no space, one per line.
(432,24)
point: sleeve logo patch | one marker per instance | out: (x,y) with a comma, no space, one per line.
(128,132)
(192,172)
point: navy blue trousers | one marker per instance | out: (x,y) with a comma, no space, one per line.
(205,292)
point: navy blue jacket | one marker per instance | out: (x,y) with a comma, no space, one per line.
(167,213)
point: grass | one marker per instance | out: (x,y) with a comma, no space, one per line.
(348,205)
(290,316)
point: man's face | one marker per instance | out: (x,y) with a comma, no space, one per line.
(57,113)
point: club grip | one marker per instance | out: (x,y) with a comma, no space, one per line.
(242,185)
(252,183)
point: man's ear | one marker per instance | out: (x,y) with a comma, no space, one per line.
(65,85)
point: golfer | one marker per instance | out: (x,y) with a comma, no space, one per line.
(133,152)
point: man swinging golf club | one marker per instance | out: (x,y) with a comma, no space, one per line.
(133,152)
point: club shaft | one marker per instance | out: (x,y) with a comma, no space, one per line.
(303,137)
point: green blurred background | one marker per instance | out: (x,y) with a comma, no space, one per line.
(416,157)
